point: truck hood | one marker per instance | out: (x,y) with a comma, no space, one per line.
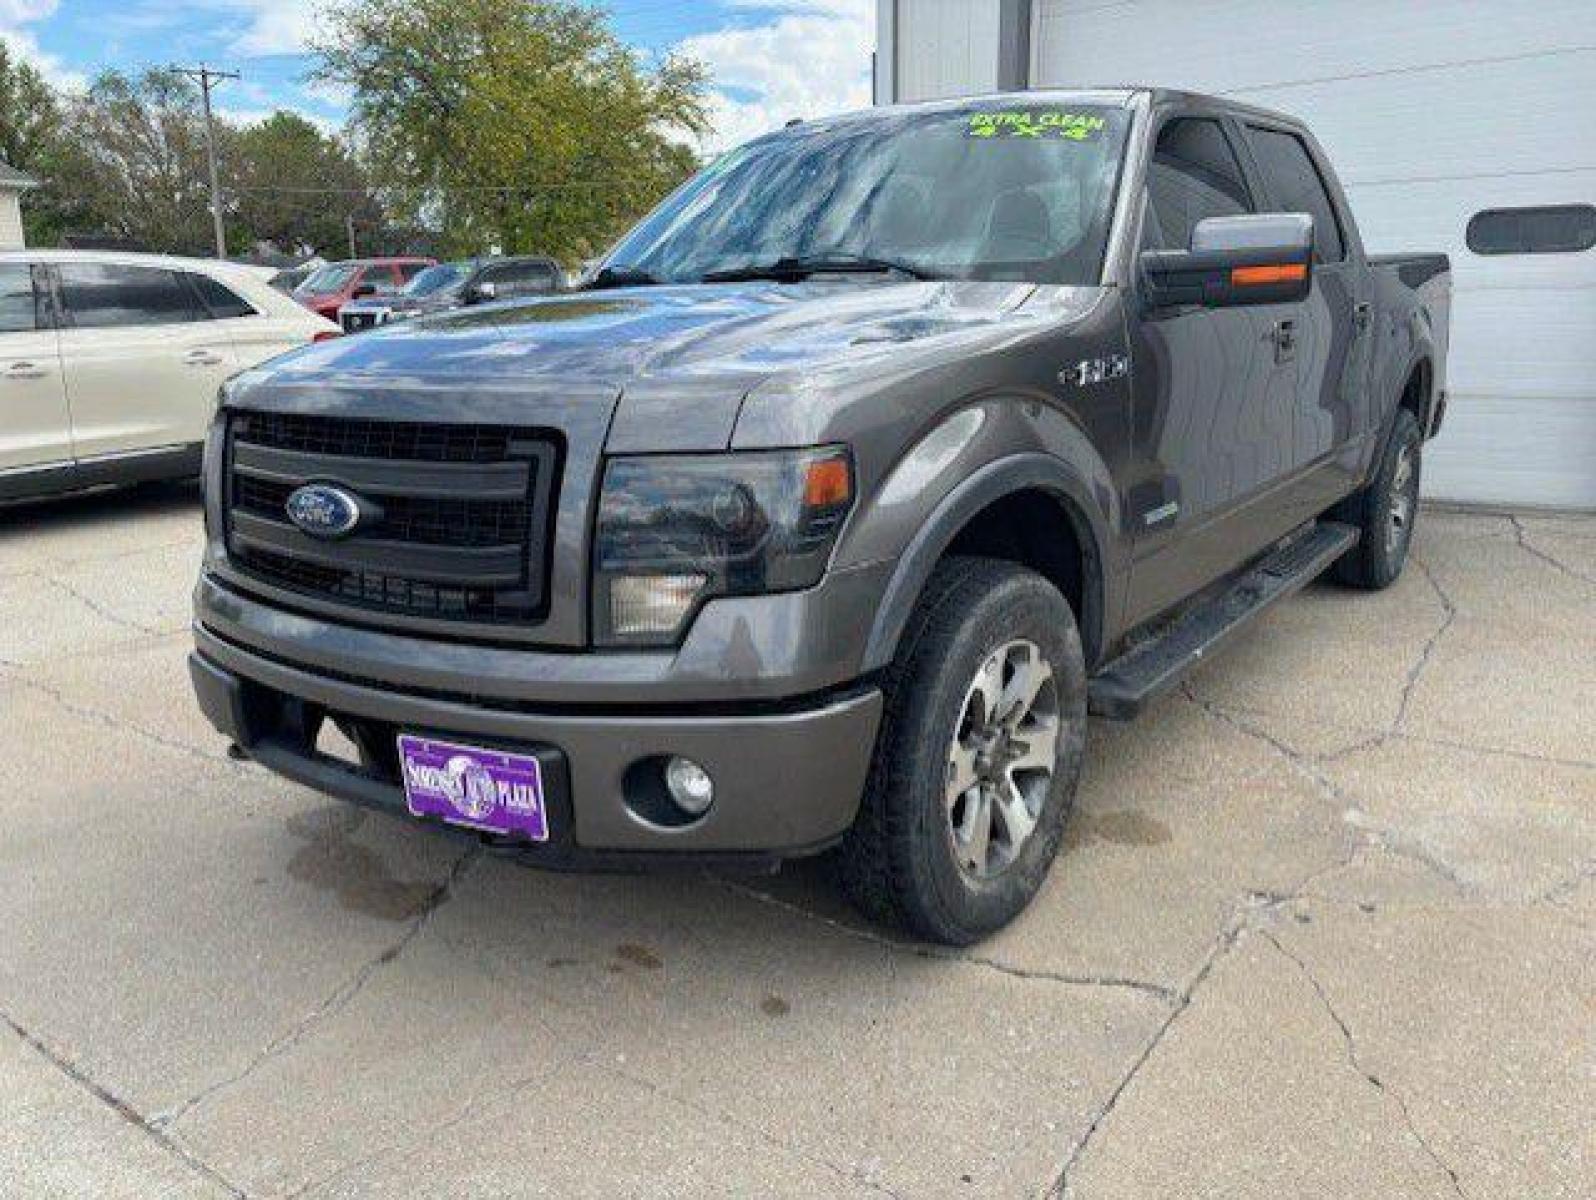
(738,333)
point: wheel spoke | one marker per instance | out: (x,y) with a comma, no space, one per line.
(989,690)
(1036,747)
(975,833)
(1031,675)
(962,774)
(1016,816)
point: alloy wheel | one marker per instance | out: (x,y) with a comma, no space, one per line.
(1002,758)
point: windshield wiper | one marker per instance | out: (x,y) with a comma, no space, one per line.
(802,266)
(612,277)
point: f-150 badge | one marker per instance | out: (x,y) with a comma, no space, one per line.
(1095,370)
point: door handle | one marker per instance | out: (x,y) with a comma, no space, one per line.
(1362,313)
(202,358)
(1285,339)
(25,370)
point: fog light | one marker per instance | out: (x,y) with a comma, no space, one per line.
(651,604)
(689,785)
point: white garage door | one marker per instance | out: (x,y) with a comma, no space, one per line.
(1431,112)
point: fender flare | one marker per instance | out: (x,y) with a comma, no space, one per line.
(1423,359)
(1031,470)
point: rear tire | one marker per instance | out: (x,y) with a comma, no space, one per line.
(978,757)
(1384,512)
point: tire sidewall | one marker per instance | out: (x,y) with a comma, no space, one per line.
(1387,561)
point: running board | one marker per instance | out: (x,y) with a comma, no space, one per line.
(1125,686)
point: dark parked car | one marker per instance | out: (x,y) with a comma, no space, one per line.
(869,463)
(334,285)
(455,285)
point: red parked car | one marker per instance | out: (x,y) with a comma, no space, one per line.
(330,287)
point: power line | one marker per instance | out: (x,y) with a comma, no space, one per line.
(207,78)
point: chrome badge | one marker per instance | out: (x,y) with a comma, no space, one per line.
(323,511)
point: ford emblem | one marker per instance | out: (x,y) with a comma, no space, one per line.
(323,511)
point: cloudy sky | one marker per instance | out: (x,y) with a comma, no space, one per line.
(771,59)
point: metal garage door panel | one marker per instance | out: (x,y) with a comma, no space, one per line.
(1221,45)
(946,48)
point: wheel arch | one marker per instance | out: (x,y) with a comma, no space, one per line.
(1019,480)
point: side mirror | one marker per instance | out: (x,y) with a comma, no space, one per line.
(484,291)
(1255,259)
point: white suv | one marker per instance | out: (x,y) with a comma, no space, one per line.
(110,363)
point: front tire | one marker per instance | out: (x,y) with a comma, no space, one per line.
(1384,512)
(978,758)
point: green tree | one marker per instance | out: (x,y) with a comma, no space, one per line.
(289,183)
(136,158)
(33,140)
(524,125)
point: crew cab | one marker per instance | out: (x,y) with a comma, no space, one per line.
(455,285)
(110,362)
(333,285)
(869,463)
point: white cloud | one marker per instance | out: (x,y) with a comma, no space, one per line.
(811,58)
(278,26)
(15,16)
(254,116)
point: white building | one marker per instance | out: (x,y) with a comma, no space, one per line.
(12,184)
(1433,113)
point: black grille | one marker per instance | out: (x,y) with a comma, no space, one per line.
(430,520)
(377,439)
(454,524)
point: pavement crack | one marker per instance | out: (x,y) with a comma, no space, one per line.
(1351,813)
(1523,536)
(96,607)
(121,1107)
(334,1003)
(1158,991)
(118,724)
(1221,946)
(1567,887)
(1350,1045)
(1416,672)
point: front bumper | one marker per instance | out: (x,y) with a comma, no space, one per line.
(788,778)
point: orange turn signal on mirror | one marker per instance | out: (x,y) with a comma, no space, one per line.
(828,483)
(1253,276)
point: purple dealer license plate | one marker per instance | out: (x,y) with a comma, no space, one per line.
(472,786)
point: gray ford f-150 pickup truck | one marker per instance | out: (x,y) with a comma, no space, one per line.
(873,459)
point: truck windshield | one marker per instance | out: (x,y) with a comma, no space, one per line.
(999,191)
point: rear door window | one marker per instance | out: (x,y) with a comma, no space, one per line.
(1297,186)
(220,301)
(1194,175)
(19,307)
(109,295)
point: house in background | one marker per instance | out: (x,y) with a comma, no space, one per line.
(12,184)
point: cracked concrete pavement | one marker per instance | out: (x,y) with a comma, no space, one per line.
(1325,925)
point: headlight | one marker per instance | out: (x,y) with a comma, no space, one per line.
(674,531)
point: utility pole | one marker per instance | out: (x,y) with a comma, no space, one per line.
(207,79)
(349,224)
